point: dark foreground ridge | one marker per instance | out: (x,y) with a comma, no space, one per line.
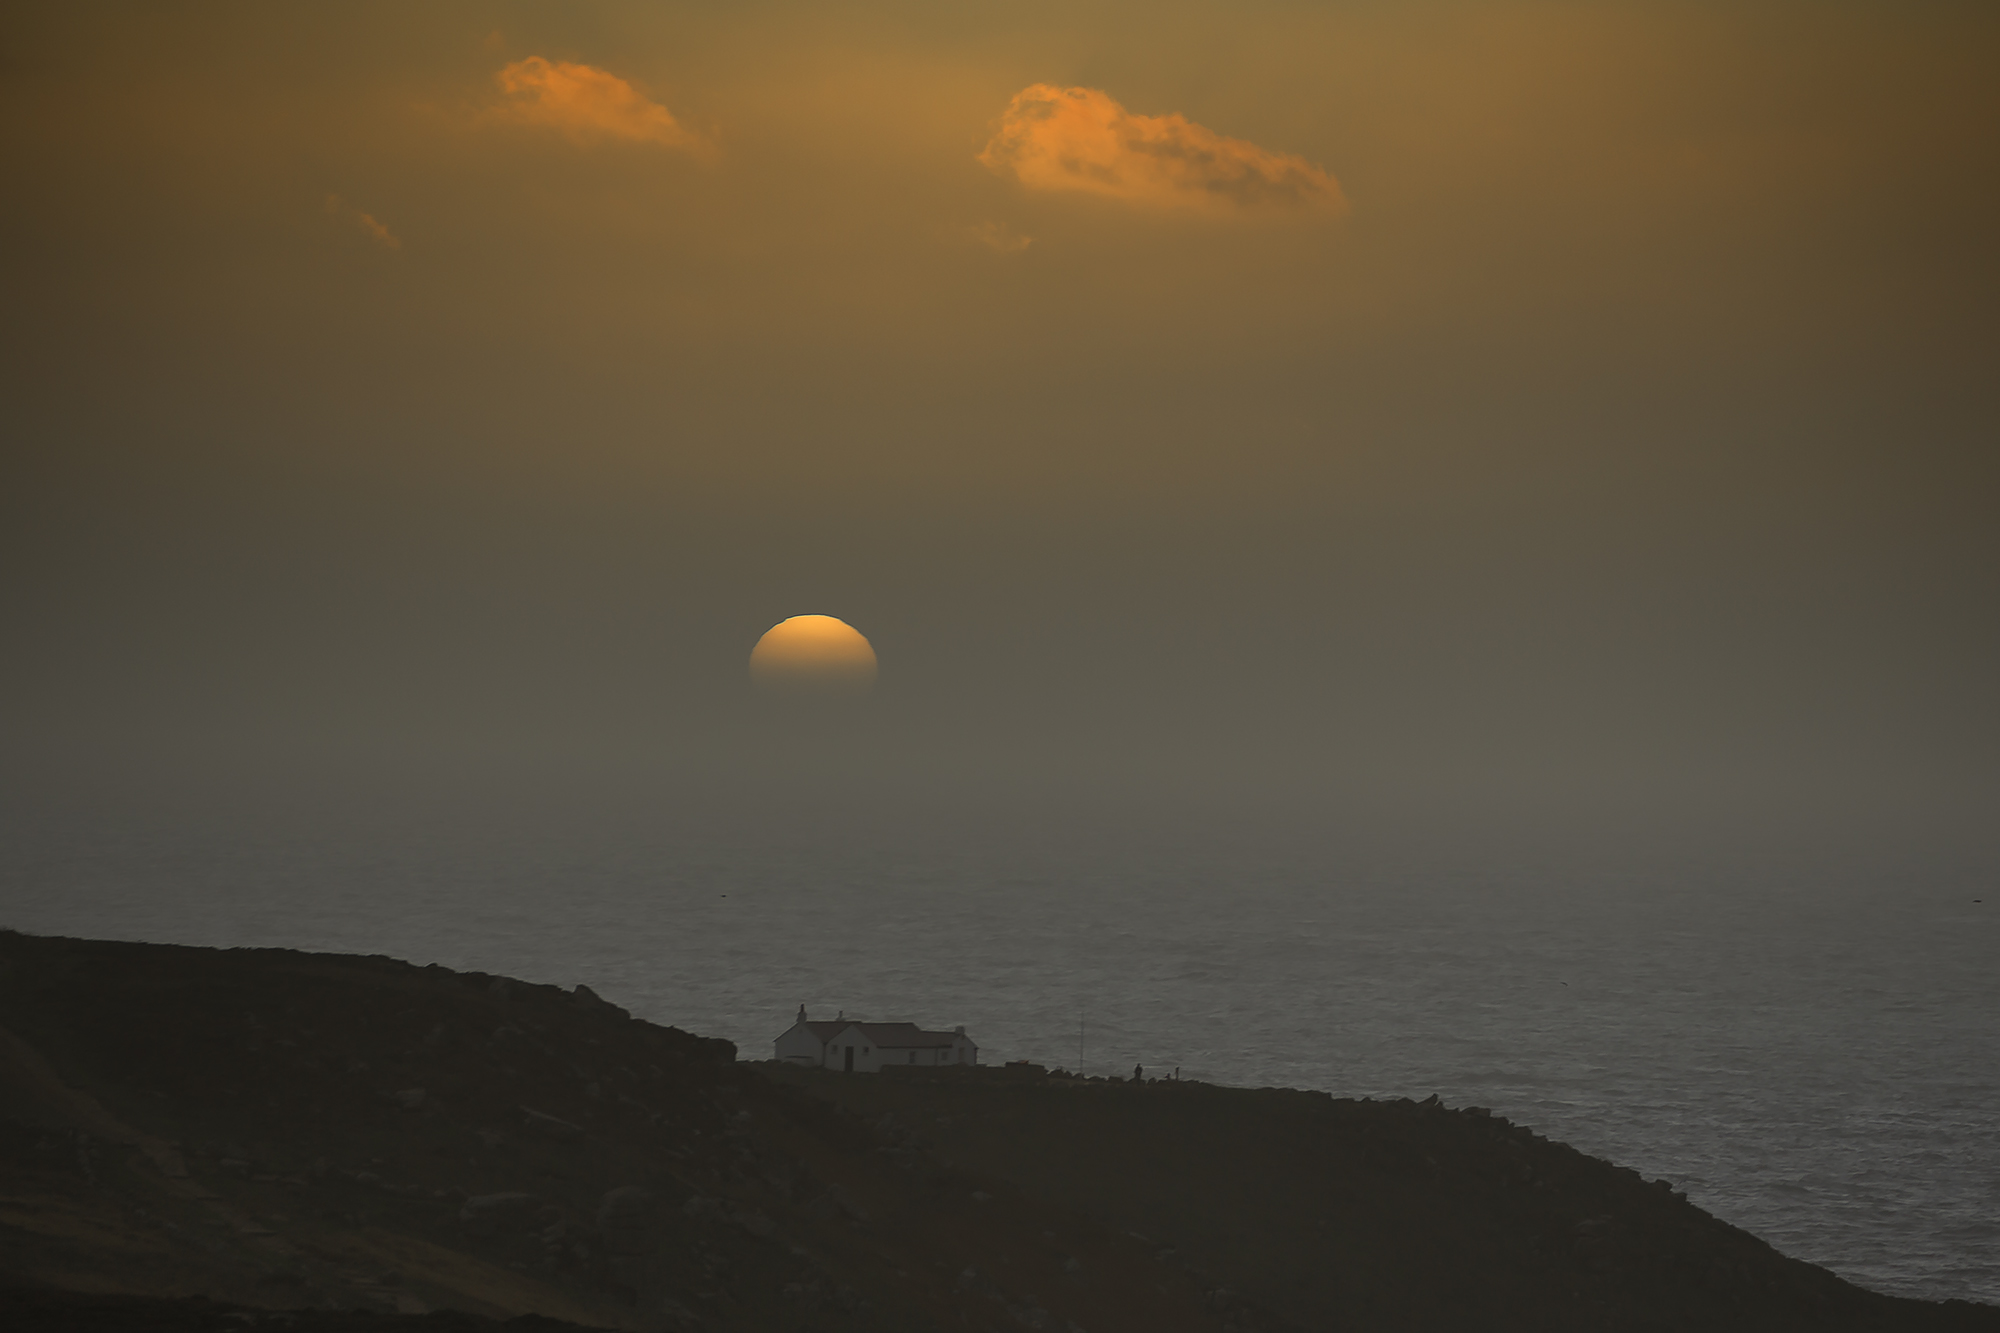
(189,1137)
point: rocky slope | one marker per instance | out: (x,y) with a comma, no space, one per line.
(286,1131)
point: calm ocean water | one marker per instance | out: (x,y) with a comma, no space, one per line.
(1811,1051)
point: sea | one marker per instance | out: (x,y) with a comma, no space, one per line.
(1806,1043)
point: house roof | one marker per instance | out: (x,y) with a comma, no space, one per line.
(899,1036)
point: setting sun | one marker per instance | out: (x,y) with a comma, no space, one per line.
(813,654)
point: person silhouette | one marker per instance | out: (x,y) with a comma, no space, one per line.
(1138,1073)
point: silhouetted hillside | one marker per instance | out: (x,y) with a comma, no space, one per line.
(276,1130)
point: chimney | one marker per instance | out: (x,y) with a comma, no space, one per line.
(960,1029)
(802,1013)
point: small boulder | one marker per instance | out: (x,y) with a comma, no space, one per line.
(627,1219)
(590,999)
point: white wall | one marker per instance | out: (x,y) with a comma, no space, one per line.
(867,1059)
(798,1045)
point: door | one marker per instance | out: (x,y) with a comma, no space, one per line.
(848,1068)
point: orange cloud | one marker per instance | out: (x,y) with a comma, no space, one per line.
(588,104)
(378,233)
(370,228)
(1054,138)
(999,236)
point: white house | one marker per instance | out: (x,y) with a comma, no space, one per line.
(853,1046)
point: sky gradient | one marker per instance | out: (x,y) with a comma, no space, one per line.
(1546,410)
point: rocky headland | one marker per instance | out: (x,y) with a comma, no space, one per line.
(219,1139)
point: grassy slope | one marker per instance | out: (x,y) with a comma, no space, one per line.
(241,1125)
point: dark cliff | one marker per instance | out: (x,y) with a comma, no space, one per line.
(268,1130)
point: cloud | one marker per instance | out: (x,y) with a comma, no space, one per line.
(589,105)
(1054,138)
(370,228)
(999,236)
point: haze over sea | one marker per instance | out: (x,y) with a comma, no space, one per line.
(1807,1047)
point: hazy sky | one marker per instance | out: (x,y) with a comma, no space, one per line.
(1585,407)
